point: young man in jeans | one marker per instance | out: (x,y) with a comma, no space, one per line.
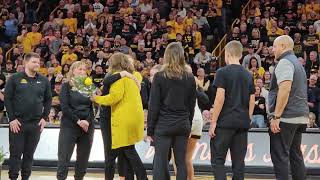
(231,113)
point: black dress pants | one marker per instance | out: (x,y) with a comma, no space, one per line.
(68,138)
(23,143)
(234,139)
(285,149)
(163,145)
(124,167)
(131,156)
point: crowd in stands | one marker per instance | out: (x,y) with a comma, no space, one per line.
(92,30)
(265,21)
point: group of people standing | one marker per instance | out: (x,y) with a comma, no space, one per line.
(172,127)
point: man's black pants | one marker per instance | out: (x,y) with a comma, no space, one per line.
(285,148)
(163,145)
(131,156)
(68,138)
(234,139)
(124,167)
(23,143)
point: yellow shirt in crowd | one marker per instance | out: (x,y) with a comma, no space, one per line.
(43,71)
(179,28)
(188,21)
(71,23)
(171,23)
(198,40)
(68,59)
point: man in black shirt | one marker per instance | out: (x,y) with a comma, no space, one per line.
(311,40)
(27,100)
(231,114)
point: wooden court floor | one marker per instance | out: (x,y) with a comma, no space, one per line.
(42,175)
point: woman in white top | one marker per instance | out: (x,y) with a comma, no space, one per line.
(196,130)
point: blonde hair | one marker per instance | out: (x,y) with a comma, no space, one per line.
(74,66)
(234,48)
(120,62)
(175,64)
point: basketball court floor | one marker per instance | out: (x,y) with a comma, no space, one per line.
(43,175)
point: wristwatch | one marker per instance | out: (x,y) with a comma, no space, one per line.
(273,117)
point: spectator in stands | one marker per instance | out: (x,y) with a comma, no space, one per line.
(312,62)
(202,81)
(254,68)
(259,112)
(71,22)
(235,35)
(312,121)
(203,58)
(11,25)
(267,80)
(70,57)
(256,40)
(298,46)
(312,88)
(246,59)
(311,40)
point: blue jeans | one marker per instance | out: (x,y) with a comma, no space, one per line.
(258,121)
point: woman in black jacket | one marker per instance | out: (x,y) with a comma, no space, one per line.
(77,126)
(171,109)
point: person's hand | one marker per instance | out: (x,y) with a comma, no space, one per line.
(131,76)
(125,74)
(15,126)
(261,106)
(254,69)
(84,125)
(42,123)
(212,129)
(206,115)
(93,98)
(274,125)
(150,138)
(98,92)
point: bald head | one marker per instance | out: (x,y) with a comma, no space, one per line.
(282,44)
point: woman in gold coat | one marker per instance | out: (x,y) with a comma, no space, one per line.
(127,117)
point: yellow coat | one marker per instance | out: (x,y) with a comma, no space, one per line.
(127,117)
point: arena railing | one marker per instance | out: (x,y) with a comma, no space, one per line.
(219,49)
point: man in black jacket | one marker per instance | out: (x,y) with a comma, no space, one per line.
(28,101)
(231,114)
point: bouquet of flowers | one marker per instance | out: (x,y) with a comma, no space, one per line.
(84,86)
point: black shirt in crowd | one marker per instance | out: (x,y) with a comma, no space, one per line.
(238,85)
(171,105)
(27,98)
(257,110)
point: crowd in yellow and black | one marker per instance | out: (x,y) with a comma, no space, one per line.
(65,31)
(256,30)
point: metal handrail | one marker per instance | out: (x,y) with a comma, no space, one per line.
(219,49)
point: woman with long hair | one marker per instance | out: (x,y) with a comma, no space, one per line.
(256,70)
(259,112)
(171,109)
(127,117)
(77,126)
